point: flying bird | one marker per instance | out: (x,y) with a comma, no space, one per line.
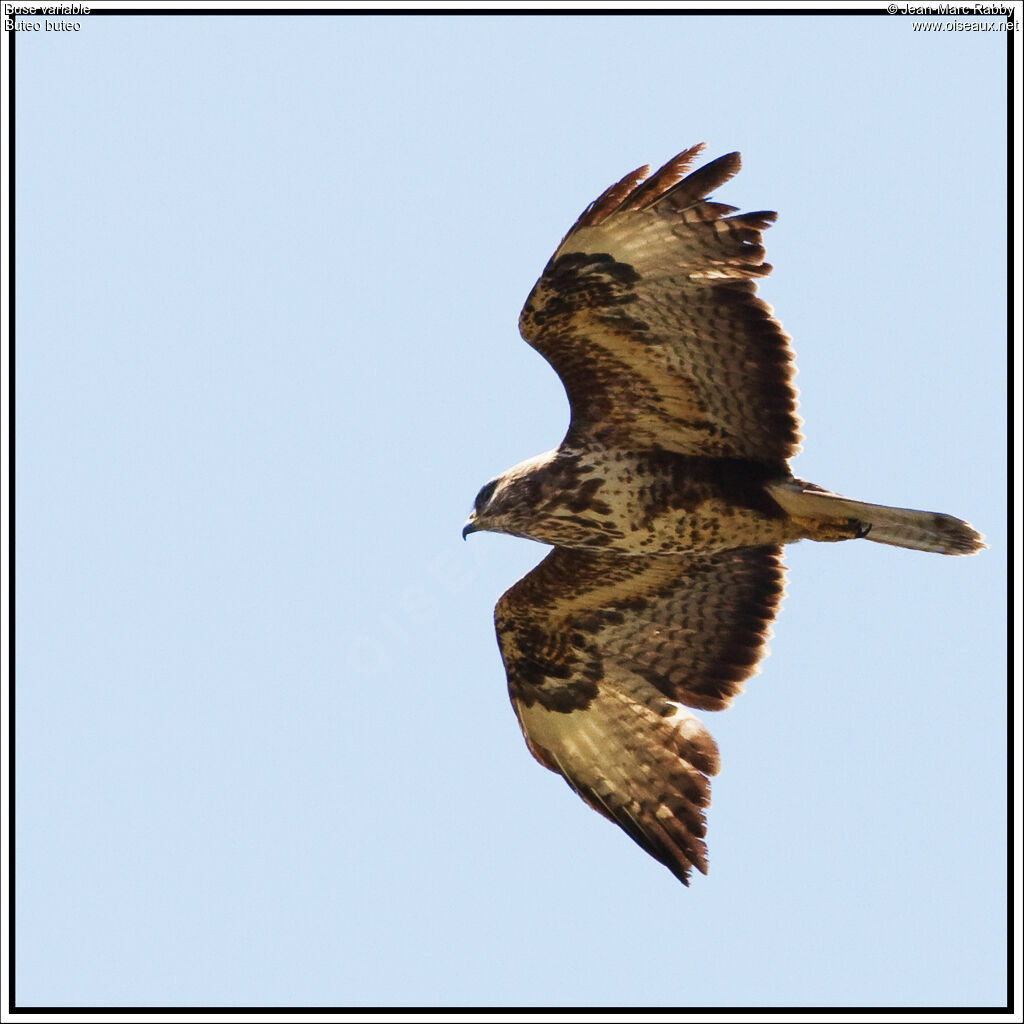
(667,503)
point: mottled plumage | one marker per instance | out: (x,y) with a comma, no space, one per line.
(667,503)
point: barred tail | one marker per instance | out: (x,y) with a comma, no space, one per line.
(901,527)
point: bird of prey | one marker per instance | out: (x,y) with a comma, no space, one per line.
(667,503)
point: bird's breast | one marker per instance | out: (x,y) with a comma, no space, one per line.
(662,502)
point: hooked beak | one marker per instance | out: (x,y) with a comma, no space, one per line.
(470,527)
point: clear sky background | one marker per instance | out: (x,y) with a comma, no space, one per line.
(268,276)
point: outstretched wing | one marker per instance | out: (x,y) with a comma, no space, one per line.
(648,313)
(602,652)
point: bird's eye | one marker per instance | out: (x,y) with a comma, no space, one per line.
(485,495)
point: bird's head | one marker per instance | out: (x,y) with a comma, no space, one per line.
(508,503)
(486,514)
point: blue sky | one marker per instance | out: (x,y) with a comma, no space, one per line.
(268,276)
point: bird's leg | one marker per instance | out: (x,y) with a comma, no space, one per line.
(830,530)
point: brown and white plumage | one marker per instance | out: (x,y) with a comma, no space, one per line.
(648,313)
(603,651)
(667,502)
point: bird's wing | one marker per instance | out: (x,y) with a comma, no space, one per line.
(648,313)
(602,652)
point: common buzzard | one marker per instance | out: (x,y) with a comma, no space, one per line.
(667,503)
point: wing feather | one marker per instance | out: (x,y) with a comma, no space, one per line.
(602,652)
(648,312)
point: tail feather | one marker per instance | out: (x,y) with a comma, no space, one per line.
(901,527)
